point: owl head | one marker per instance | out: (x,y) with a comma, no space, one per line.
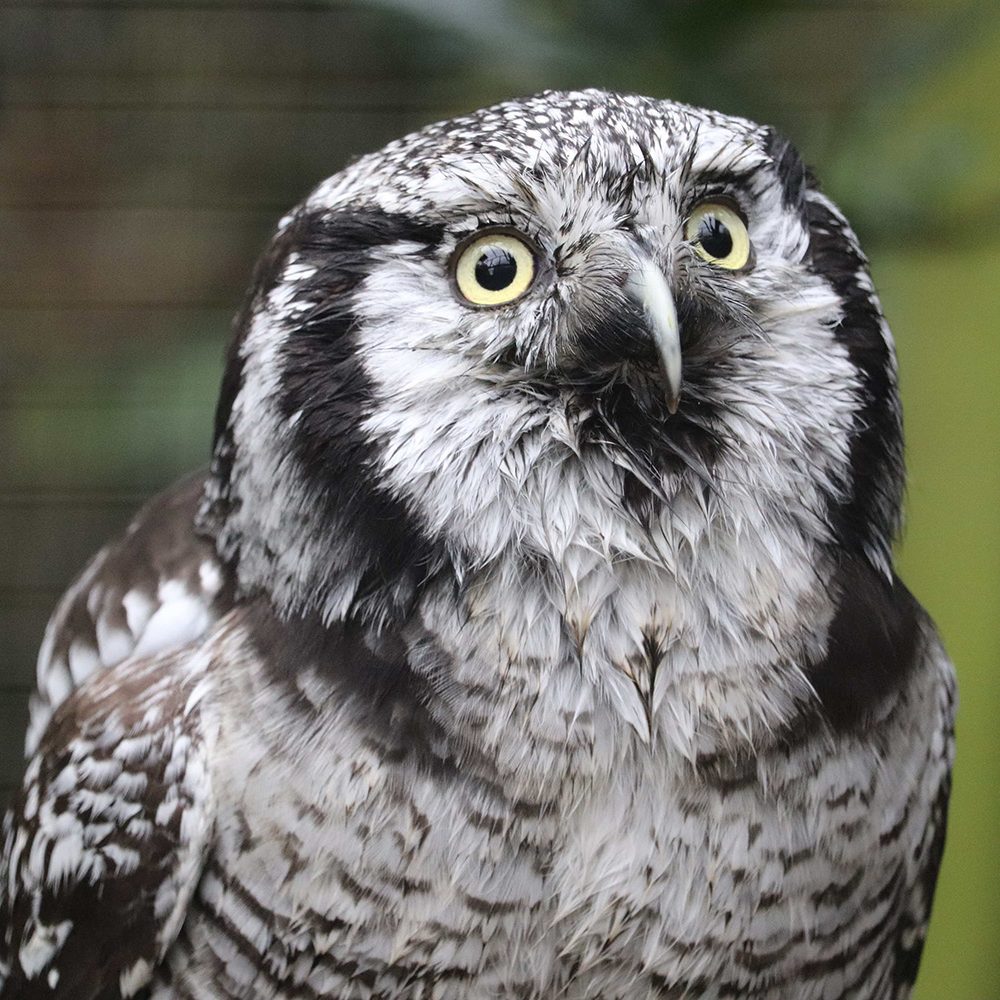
(576,326)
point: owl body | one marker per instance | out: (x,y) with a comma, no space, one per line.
(784,876)
(534,632)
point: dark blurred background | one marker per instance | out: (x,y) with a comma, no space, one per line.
(148,147)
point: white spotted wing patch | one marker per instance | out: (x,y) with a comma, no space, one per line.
(155,589)
(104,844)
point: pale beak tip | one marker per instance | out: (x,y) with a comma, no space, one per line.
(648,287)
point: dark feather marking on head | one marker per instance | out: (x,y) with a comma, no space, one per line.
(634,420)
(618,380)
(614,333)
(868,518)
(325,384)
(872,644)
(793,175)
(732,177)
(267,270)
(325,387)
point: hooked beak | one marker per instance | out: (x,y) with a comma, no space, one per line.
(648,288)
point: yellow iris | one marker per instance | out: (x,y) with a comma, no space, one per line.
(493,269)
(718,235)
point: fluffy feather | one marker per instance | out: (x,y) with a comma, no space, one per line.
(505,680)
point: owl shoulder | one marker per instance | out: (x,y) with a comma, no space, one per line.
(104,844)
(156,587)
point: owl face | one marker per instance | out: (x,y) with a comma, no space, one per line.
(577,322)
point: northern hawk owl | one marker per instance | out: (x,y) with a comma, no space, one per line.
(534,632)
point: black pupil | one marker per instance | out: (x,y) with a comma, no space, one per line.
(715,238)
(496,268)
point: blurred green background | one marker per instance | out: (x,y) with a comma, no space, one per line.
(147,148)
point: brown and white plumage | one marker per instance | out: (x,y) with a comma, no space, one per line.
(510,665)
(157,587)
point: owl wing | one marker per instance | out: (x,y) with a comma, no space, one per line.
(153,589)
(932,811)
(103,846)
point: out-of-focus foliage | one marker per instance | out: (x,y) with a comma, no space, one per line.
(849,81)
(146,150)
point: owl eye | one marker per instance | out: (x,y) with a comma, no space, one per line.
(718,235)
(493,268)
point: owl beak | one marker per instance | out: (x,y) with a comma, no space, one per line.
(648,288)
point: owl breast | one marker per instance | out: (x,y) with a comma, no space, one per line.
(367,853)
